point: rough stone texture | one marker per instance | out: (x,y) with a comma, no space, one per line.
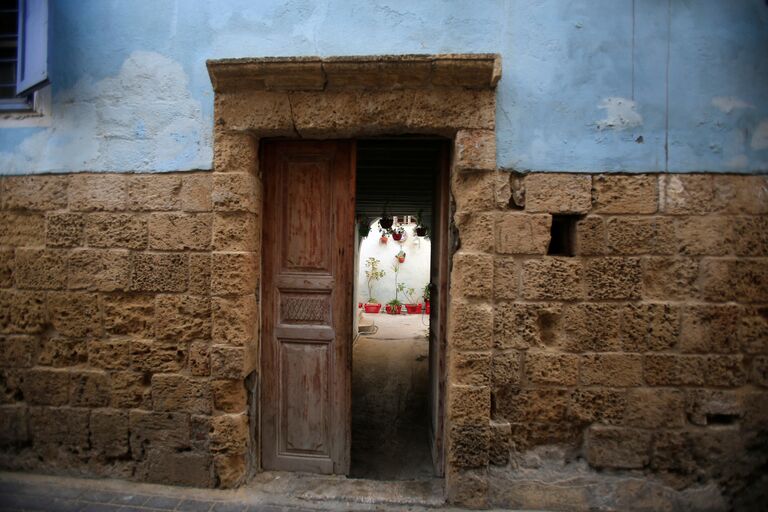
(558,193)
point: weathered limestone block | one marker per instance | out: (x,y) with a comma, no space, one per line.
(759,371)
(725,371)
(159,272)
(613,278)
(468,404)
(58,351)
(46,386)
(267,112)
(473,191)
(500,442)
(551,368)
(179,468)
(606,406)
(34,192)
(182,318)
(229,362)
(236,192)
(616,193)
(129,390)
(7,258)
(11,385)
(558,193)
(99,270)
(196,192)
(522,326)
(109,432)
(552,278)
(230,469)
(154,192)
(753,330)
(467,487)
(235,319)
(670,278)
(440,107)
(200,359)
(591,236)
(506,369)
(686,194)
(180,231)
(588,327)
(614,369)
(65,426)
(64,229)
(543,405)
(229,433)
(471,368)
(470,326)
(697,453)
(741,194)
(750,236)
(18,351)
(98,192)
(110,230)
(641,235)
(233,273)
(619,448)
(40,269)
(649,327)
(711,235)
(109,354)
(155,357)
(655,408)
(505,278)
(710,329)
(519,233)
(22,311)
(734,279)
(476,231)
(475,150)
(469,444)
(199,274)
(74,314)
(13,424)
(229,395)
(130,315)
(151,431)
(705,405)
(236,231)
(472,275)
(172,392)
(89,389)
(694,370)
(22,229)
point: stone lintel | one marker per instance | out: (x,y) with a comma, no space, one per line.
(476,71)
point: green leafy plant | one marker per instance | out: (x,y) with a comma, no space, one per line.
(372,274)
(394,302)
(399,287)
(410,295)
(426,292)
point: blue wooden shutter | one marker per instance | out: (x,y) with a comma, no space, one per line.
(32,71)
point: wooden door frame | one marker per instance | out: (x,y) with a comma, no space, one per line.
(361,96)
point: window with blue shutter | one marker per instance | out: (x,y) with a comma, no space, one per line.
(23,52)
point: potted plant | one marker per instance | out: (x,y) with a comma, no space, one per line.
(398,233)
(363,226)
(394,307)
(421,229)
(400,256)
(411,306)
(383,239)
(372,274)
(386,220)
(425,294)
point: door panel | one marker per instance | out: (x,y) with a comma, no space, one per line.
(308,249)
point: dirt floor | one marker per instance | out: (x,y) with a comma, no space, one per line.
(390,420)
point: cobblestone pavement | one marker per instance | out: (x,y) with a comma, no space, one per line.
(32,492)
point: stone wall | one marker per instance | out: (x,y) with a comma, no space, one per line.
(630,374)
(128,322)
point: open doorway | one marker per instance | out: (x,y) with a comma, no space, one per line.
(398,189)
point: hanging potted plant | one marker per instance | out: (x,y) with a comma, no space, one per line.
(398,233)
(411,306)
(383,239)
(363,226)
(400,256)
(426,294)
(386,220)
(421,229)
(372,274)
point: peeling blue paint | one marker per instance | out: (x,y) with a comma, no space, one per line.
(131,92)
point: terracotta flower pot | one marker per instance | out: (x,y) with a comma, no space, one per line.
(413,309)
(426,303)
(372,308)
(397,237)
(401,259)
(394,310)
(383,240)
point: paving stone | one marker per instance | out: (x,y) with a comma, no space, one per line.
(131,499)
(99,507)
(162,502)
(100,496)
(228,506)
(195,506)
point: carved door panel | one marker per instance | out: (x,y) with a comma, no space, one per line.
(308,249)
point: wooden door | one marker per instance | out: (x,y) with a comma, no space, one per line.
(440,255)
(308,251)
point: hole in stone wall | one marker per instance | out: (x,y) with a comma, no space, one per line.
(721,419)
(563,235)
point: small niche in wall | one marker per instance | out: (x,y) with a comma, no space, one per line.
(563,235)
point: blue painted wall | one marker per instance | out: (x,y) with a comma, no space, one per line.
(588,85)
